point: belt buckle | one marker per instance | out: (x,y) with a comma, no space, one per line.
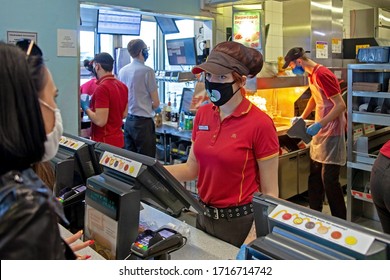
(215,212)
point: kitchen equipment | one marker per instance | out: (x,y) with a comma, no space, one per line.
(298,130)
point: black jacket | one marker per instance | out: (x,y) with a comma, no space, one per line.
(29,219)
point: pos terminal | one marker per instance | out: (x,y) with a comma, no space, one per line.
(157,244)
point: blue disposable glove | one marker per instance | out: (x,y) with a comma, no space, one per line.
(314,129)
(157,110)
(241,253)
(85,100)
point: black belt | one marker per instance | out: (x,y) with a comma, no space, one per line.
(134,117)
(229,212)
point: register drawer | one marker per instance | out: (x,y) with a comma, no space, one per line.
(303,170)
(288,171)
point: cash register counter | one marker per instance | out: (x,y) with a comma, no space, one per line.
(170,128)
(200,245)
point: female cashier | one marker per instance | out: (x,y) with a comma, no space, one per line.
(235,146)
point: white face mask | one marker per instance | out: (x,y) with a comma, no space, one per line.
(53,138)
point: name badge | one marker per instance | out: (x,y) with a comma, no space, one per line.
(203,127)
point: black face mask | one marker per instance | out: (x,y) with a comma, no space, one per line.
(94,73)
(220,93)
(145,54)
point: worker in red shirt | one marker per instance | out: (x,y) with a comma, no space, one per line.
(380,186)
(327,148)
(89,86)
(108,105)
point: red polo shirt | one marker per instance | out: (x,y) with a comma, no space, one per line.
(326,80)
(385,150)
(112,94)
(89,87)
(227,152)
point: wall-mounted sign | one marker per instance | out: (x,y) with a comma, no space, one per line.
(246,28)
(14,36)
(66,42)
(321,49)
(336,45)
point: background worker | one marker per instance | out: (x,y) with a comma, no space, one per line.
(231,155)
(327,148)
(380,186)
(140,131)
(89,86)
(108,105)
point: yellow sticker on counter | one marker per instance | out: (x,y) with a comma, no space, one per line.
(323,228)
(121,164)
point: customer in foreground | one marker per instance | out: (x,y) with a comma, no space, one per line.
(29,212)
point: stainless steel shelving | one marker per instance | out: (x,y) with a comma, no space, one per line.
(359,165)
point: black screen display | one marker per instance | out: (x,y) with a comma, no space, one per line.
(186,100)
(181,51)
(74,162)
(122,23)
(167,25)
(158,187)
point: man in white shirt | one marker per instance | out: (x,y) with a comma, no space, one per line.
(140,79)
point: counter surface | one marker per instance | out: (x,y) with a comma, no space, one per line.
(170,128)
(86,251)
(200,245)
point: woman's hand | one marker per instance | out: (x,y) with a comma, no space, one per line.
(77,246)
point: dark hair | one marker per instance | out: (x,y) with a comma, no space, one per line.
(36,68)
(293,54)
(250,57)
(22,131)
(105,60)
(35,60)
(88,64)
(135,46)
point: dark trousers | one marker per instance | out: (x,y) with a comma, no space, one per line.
(140,135)
(233,231)
(380,190)
(324,179)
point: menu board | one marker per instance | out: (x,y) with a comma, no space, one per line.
(246,28)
